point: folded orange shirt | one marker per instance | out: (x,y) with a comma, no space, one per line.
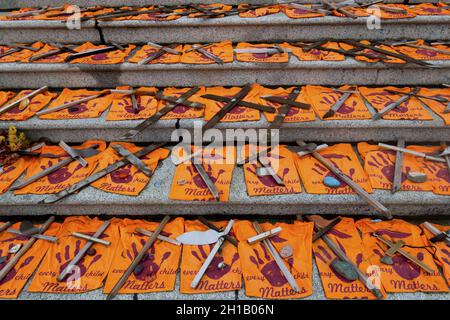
(89,109)
(262,276)
(442,254)
(167,58)
(323,98)
(281,161)
(282,57)
(383,13)
(112,57)
(15,280)
(437,107)
(346,237)
(430,9)
(377,56)
(12,172)
(157,15)
(90,272)
(213,7)
(122,107)
(425,52)
(222,50)
(294,114)
(187,183)
(258,12)
(411,109)
(160,264)
(403,275)
(63,177)
(20,56)
(342,156)
(215,279)
(360,12)
(238,113)
(181,111)
(127,180)
(296,13)
(31,106)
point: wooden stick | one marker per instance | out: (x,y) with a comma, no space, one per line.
(25,97)
(14,260)
(264,235)
(229,238)
(89,238)
(380,208)
(395,104)
(160,237)
(397,182)
(5,226)
(141,254)
(414,153)
(278,260)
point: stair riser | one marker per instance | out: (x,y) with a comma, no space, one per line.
(270,28)
(322,72)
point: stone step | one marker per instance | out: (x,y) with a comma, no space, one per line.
(268,28)
(82,3)
(34,75)
(154,199)
(78,130)
(318,294)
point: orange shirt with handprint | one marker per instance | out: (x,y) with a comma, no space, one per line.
(262,276)
(437,107)
(30,106)
(187,184)
(346,237)
(403,275)
(12,172)
(281,161)
(15,280)
(158,268)
(64,176)
(122,107)
(128,179)
(92,269)
(342,155)
(216,277)
(322,99)
(223,50)
(181,111)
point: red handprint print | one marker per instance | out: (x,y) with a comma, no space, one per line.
(123,175)
(268,181)
(215,271)
(148,268)
(330,100)
(128,106)
(60,175)
(198,181)
(11,274)
(381,160)
(65,260)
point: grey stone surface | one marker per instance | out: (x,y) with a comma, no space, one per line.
(34,75)
(154,200)
(78,130)
(5,4)
(268,28)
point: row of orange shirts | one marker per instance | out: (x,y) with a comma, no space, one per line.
(252,265)
(417,49)
(382,10)
(368,165)
(358,106)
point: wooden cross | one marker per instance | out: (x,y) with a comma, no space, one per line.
(205,53)
(159,237)
(396,247)
(90,242)
(228,238)
(135,161)
(414,153)
(211,255)
(59,49)
(380,208)
(395,104)
(161,50)
(90,52)
(230,103)
(137,259)
(338,104)
(172,103)
(286,105)
(322,227)
(24,101)
(265,238)
(23,250)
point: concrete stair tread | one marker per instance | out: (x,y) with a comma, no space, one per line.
(76,130)
(154,199)
(33,75)
(272,27)
(318,294)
